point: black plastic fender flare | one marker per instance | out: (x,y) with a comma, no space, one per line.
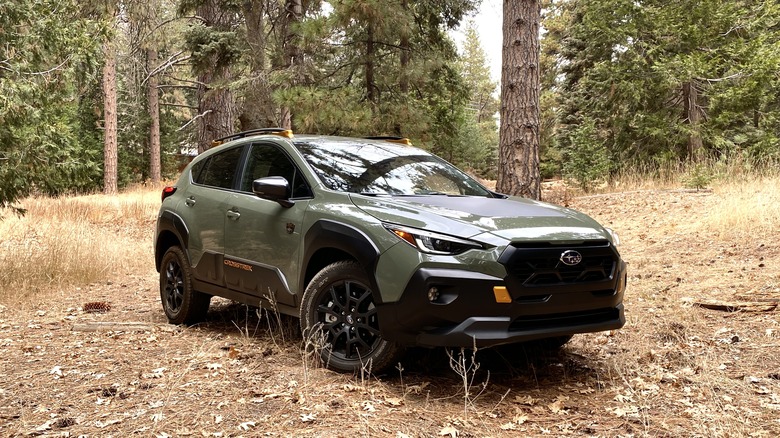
(328,234)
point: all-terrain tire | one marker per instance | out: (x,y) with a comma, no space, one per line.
(339,320)
(182,304)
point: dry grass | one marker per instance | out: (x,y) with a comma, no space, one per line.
(67,241)
(676,369)
(746,209)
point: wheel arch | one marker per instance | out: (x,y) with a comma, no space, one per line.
(171,231)
(328,242)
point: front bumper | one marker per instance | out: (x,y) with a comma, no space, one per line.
(466,311)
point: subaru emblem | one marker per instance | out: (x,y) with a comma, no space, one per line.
(571,258)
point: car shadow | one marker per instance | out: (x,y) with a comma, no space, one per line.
(515,366)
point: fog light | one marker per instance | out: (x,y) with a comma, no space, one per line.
(433,294)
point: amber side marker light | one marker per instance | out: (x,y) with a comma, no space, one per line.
(501,294)
(406,236)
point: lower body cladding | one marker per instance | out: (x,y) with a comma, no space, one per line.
(455,308)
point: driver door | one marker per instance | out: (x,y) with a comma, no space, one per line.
(262,238)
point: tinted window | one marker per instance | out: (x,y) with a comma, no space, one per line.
(220,169)
(268,160)
(349,166)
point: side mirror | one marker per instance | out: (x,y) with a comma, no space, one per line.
(273,188)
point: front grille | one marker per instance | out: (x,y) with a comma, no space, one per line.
(542,266)
(549,270)
(525,323)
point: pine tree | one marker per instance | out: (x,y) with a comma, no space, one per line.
(518,172)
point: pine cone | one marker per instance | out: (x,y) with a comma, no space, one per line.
(97,307)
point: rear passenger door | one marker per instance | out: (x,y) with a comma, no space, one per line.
(263,239)
(205,209)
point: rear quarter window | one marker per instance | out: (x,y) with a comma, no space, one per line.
(219,170)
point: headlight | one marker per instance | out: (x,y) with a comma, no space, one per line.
(432,243)
(614,236)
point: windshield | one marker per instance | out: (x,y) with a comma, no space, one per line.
(385,169)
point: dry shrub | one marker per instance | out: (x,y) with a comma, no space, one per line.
(746,208)
(70,241)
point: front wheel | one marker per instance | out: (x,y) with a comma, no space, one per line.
(339,318)
(181,303)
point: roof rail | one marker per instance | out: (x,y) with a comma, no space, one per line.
(391,139)
(275,131)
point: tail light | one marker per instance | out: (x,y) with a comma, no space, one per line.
(167,191)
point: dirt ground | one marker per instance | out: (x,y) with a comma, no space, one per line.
(685,364)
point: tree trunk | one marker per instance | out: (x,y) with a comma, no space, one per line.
(518,172)
(257,109)
(293,13)
(403,80)
(110,119)
(216,104)
(370,95)
(693,117)
(154,114)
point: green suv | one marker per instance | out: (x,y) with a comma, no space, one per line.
(376,245)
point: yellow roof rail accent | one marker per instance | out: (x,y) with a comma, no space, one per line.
(391,139)
(286,133)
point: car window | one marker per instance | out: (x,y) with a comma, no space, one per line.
(220,169)
(266,160)
(386,170)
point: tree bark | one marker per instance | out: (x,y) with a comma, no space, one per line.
(403,80)
(293,13)
(257,109)
(110,119)
(693,117)
(518,172)
(154,114)
(370,91)
(216,103)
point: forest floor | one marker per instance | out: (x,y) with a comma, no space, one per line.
(698,356)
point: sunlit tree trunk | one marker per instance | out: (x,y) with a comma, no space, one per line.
(518,172)
(110,119)
(154,114)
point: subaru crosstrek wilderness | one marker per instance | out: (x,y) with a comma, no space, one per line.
(377,245)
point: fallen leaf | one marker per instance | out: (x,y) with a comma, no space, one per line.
(557,407)
(508,426)
(526,400)
(393,401)
(45,426)
(247,425)
(101,424)
(308,418)
(449,430)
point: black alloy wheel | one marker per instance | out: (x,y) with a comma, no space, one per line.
(339,304)
(181,303)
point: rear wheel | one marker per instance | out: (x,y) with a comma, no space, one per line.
(181,303)
(340,320)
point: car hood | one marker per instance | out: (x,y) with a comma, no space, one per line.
(513,218)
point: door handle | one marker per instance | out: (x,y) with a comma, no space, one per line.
(189,202)
(233,214)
